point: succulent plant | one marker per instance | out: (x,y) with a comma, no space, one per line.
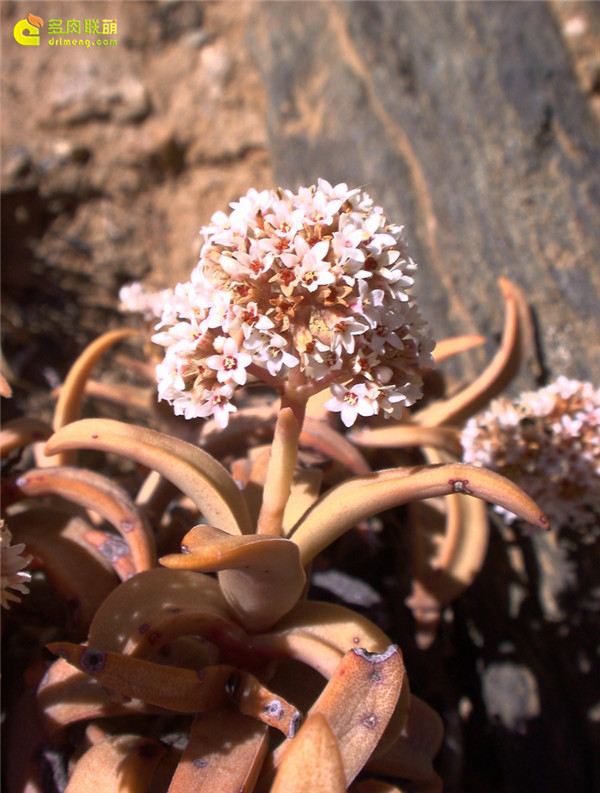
(194,667)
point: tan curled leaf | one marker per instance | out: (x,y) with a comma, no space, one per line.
(77,572)
(98,493)
(5,389)
(122,764)
(68,405)
(157,606)
(170,687)
(195,472)
(21,432)
(323,438)
(255,699)
(114,549)
(312,762)
(358,702)
(319,634)
(225,753)
(446,348)
(411,756)
(497,374)
(448,553)
(361,497)
(260,576)
(66,695)
(122,394)
(407,435)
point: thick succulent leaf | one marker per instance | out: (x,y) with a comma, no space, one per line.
(122,394)
(98,493)
(78,573)
(446,348)
(260,576)
(23,733)
(442,575)
(323,438)
(358,702)
(497,374)
(21,432)
(70,398)
(362,497)
(170,687)
(67,695)
(118,764)
(280,472)
(319,634)
(412,754)
(406,435)
(313,762)
(255,699)
(182,690)
(306,487)
(147,612)
(115,550)
(225,753)
(195,472)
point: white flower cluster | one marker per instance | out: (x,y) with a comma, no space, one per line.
(13,575)
(303,290)
(548,442)
(138,299)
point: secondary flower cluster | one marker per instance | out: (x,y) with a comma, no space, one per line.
(548,442)
(304,290)
(13,563)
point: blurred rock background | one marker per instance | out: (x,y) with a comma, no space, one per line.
(475,124)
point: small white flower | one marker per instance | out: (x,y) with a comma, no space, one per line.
(352,402)
(231,365)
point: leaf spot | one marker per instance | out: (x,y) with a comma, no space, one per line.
(370,721)
(275,709)
(93,661)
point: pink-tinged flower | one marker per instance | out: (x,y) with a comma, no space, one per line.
(276,355)
(292,285)
(231,364)
(13,574)
(548,442)
(360,400)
